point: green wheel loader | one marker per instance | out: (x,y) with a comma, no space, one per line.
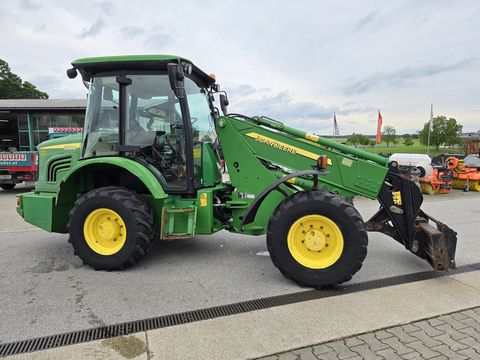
(151,165)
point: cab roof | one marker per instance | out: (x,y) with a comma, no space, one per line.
(93,65)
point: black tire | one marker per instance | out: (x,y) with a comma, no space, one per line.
(135,213)
(337,209)
(7,186)
(422,170)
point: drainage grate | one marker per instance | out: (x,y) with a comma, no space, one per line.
(104,332)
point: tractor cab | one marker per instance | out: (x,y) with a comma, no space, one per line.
(156,110)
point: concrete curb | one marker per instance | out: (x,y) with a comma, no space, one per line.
(280,329)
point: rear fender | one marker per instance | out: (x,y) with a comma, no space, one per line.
(76,182)
(138,170)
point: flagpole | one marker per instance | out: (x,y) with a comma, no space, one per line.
(335,126)
(333,132)
(430,127)
(376,136)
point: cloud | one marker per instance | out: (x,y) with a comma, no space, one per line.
(158,40)
(93,30)
(29,5)
(57,88)
(365,21)
(401,77)
(130,32)
(106,7)
(301,68)
(243,90)
(307,115)
(279,105)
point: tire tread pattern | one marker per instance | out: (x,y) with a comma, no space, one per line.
(334,200)
(141,213)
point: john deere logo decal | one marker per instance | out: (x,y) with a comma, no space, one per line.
(282,146)
(285,147)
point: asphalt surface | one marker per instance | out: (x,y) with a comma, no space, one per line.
(45,289)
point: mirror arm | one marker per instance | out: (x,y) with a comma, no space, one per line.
(176,77)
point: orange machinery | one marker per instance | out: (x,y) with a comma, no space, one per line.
(440,182)
(465,178)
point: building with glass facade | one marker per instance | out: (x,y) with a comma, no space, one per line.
(24,123)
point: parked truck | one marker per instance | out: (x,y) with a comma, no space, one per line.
(147,167)
(17,167)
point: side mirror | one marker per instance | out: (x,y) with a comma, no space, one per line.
(72,73)
(176,77)
(224,103)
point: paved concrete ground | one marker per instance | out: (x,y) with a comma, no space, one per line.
(452,336)
(46,290)
(327,321)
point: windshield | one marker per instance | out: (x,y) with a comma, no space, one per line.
(152,110)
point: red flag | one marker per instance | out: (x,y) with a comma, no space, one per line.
(379,128)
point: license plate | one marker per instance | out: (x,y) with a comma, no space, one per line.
(5,177)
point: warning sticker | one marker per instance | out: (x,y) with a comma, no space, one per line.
(347,162)
(203,199)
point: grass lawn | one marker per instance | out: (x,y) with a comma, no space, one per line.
(416,148)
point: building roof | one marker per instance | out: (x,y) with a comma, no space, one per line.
(43,104)
(475,136)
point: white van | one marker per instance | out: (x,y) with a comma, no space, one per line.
(420,161)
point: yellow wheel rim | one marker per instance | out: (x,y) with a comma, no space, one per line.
(104,231)
(315,241)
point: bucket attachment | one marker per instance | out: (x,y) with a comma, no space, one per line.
(436,244)
(400,217)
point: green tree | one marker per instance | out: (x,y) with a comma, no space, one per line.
(353,139)
(364,140)
(389,134)
(372,143)
(13,87)
(358,139)
(444,132)
(407,140)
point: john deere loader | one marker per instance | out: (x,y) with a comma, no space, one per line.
(149,167)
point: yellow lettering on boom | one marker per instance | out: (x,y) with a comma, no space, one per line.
(282,146)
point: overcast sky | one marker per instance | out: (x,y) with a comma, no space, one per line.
(297,61)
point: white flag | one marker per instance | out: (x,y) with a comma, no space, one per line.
(431,117)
